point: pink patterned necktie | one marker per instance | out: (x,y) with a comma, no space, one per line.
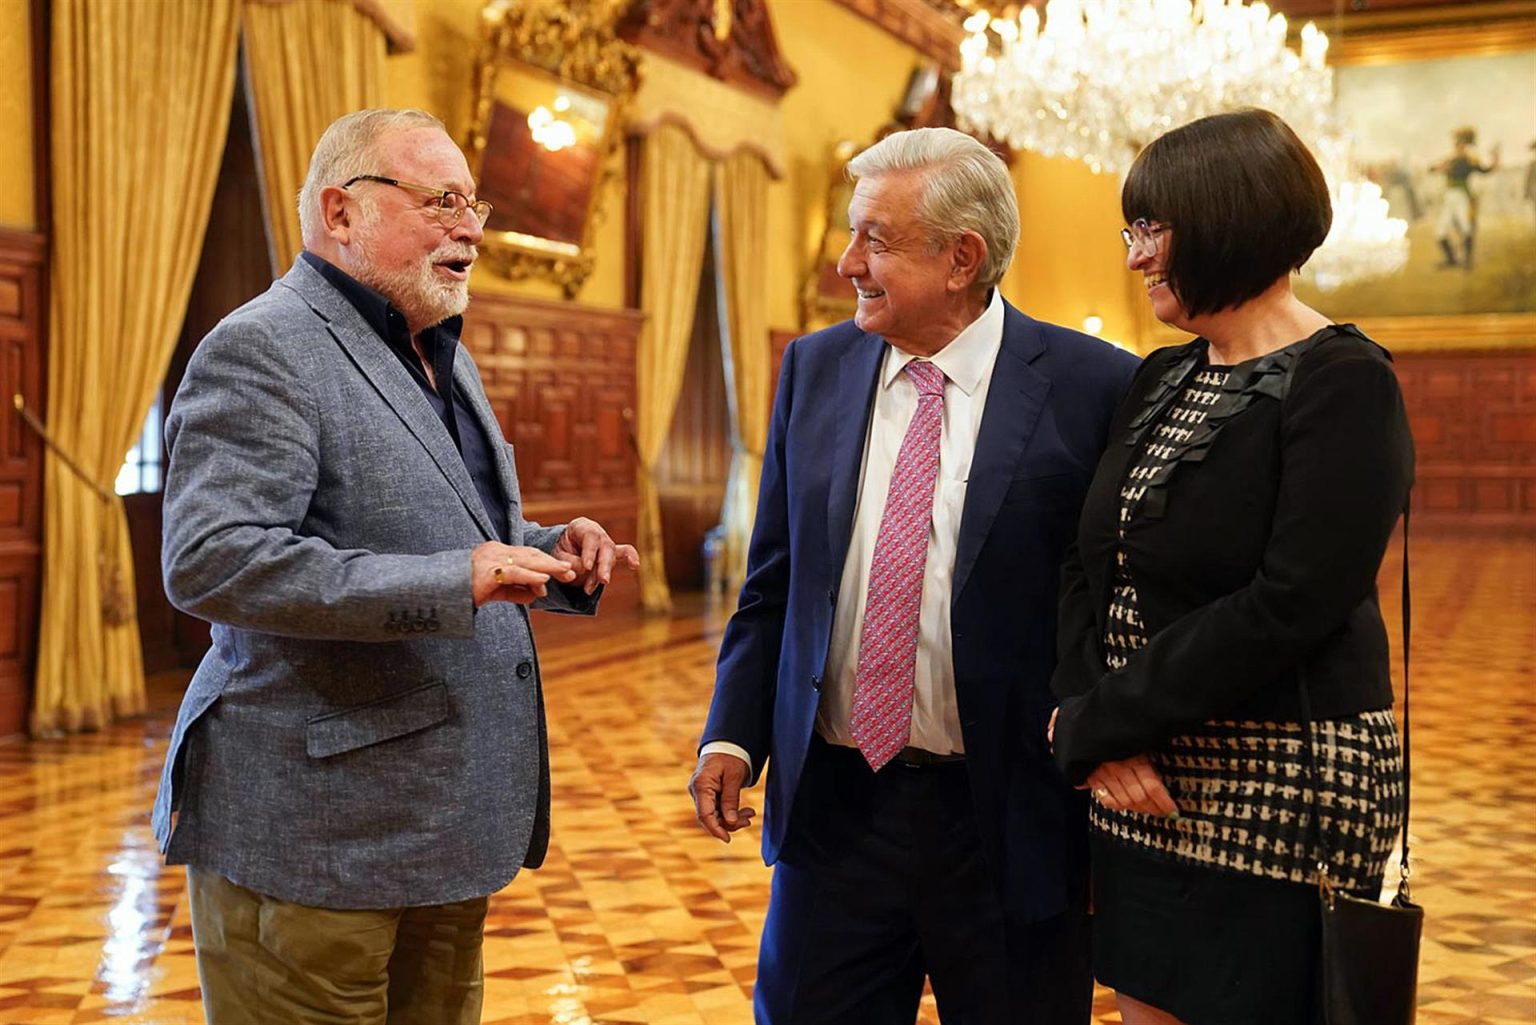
(881,716)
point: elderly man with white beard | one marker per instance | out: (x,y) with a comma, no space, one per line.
(361,758)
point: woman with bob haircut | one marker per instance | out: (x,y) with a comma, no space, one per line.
(1226,560)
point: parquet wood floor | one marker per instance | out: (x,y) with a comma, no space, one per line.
(638,917)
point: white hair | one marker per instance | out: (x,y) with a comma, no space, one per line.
(966,187)
(349,147)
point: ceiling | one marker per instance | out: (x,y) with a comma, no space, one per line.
(1293,9)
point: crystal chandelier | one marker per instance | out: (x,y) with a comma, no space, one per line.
(1099,79)
(1364,241)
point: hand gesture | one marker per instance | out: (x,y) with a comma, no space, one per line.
(514,573)
(716,790)
(588,550)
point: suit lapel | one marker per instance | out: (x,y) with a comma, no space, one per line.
(1015,400)
(383,370)
(858,376)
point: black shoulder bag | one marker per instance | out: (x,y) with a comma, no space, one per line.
(1370,950)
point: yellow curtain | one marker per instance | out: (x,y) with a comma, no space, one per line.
(741,195)
(395,18)
(674,198)
(306,65)
(141,97)
(722,118)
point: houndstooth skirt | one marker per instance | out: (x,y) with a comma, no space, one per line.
(1245,800)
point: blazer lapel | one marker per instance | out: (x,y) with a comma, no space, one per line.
(858,376)
(1015,400)
(382,368)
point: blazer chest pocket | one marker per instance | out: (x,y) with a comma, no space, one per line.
(416,709)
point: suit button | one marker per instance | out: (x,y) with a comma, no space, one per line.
(816,682)
(524,670)
(831,596)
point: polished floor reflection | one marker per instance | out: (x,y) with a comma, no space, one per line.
(638,917)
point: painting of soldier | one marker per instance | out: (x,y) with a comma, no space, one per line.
(1437,136)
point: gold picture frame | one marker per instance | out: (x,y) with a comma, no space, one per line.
(552,84)
(1424,34)
(826,298)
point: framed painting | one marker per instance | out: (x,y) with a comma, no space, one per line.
(552,83)
(1443,119)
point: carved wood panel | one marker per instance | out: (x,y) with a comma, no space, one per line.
(1474,425)
(561,378)
(732,40)
(22,312)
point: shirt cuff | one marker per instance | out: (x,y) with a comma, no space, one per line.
(725,747)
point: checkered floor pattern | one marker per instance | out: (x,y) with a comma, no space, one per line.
(639,917)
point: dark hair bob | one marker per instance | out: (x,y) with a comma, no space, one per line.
(1244,198)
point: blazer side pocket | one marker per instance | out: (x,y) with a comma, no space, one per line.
(416,709)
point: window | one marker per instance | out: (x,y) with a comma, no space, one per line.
(141,471)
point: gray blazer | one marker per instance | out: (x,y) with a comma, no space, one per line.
(359,736)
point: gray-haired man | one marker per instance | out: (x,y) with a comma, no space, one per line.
(891,656)
(361,758)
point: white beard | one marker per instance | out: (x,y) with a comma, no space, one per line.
(420,294)
(418,291)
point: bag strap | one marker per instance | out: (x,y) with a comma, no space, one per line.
(1314,827)
(1404,867)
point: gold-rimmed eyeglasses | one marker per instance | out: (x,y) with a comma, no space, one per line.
(1144,234)
(449,206)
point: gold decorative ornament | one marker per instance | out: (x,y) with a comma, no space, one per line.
(552,83)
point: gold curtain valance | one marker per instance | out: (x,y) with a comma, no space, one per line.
(722,120)
(395,18)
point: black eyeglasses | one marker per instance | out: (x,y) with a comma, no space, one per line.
(450,206)
(1143,233)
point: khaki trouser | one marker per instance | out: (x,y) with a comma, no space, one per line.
(264,961)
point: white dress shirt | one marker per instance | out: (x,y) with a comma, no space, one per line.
(967,363)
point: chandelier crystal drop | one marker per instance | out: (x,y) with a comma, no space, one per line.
(1099,79)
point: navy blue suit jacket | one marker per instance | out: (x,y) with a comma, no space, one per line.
(1048,409)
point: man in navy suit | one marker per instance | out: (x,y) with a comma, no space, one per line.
(891,655)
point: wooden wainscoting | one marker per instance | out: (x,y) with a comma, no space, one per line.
(22,311)
(561,378)
(1474,424)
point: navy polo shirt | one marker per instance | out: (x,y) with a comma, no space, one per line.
(441,344)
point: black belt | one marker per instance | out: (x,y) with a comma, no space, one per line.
(917,758)
(907,757)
